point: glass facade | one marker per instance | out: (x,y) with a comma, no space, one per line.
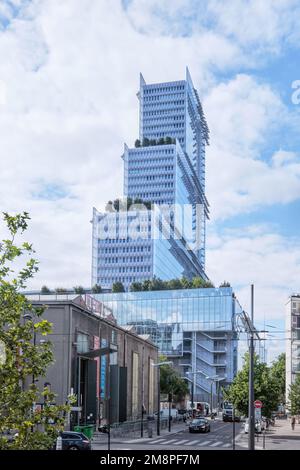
(194,327)
(171,177)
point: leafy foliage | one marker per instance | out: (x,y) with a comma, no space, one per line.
(118,287)
(294,397)
(157,284)
(96,289)
(171,382)
(278,373)
(264,388)
(26,358)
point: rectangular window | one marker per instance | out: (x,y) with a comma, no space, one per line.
(151,386)
(135,383)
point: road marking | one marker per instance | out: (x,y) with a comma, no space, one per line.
(159,441)
(216,444)
(190,443)
(204,443)
(181,442)
(227,445)
(136,440)
(168,442)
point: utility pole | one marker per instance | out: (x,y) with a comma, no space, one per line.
(251,438)
(158,400)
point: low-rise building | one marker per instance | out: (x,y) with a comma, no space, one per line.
(122,380)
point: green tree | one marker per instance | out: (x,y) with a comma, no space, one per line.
(225,284)
(25,360)
(79,290)
(174,284)
(186,283)
(156,284)
(45,290)
(137,143)
(146,142)
(96,289)
(294,397)
(136,287)
(61,290)
(171,382)
(278,374)
(161,141)
(197,282)
(118,287)
(168,140)
(264,388)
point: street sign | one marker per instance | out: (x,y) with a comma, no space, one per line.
(257,414)
(257,404)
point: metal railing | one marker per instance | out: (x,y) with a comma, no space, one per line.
(132,429)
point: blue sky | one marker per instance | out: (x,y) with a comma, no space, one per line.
(69,74)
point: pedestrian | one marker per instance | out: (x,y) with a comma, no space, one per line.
(293,421)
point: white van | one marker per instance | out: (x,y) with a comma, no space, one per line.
(164,413)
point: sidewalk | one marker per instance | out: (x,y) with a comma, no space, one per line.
(278,437)
(282,437)
(175,429)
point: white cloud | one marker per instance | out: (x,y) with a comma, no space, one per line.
(257,255)
(251,114)
(258,26)
(70,71)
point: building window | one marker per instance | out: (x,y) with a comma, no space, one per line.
(135,383)
(151,386)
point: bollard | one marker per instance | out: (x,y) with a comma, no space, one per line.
(150,433)
(59,443)
(264,440)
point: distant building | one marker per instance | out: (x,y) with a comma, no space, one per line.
(292,327)
(166,169)
(195,328)
(82,327)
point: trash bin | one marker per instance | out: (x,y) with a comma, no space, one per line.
(87,430)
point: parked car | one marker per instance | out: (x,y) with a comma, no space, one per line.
(74,441)
(9,435)
(258,428)
(199,425)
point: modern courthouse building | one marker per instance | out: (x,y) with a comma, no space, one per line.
(292,328)
(165,169)
(163,236)
(194,328)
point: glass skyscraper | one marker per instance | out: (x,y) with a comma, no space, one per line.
(195,328)
(165,169)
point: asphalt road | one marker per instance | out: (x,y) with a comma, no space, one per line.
(220,437)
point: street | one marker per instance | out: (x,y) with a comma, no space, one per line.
(220,437)
(278,437)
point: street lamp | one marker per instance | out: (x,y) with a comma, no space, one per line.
(217,379)
(158,365)
(192,390)
(106,350)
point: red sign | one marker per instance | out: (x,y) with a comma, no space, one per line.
(258,404)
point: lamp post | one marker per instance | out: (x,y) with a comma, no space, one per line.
(105,350)
(217,379)
(158,365)
(192,387)
(251,439)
